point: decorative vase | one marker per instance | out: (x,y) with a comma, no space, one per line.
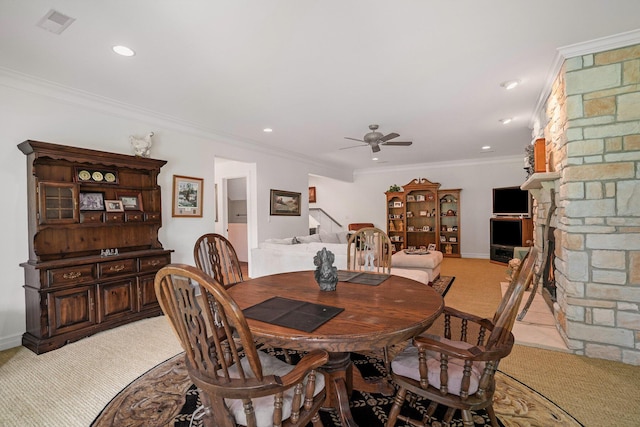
(326,274)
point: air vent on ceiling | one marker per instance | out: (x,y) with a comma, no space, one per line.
(55,22)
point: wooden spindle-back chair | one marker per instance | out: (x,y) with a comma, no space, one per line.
(458,371)
(238,385)
(215,255)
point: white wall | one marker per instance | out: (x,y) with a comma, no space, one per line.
(364,199)
(33,110)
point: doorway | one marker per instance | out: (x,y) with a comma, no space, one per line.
(236,218)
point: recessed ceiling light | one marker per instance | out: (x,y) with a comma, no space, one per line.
(123,50)
(267,130)
(486,147)
(506,121)
(374,159)
(510,84)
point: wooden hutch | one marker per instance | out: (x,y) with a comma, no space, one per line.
(422,214)
(93,222)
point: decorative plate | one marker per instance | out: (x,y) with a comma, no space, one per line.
(97,176)
(109,177)
(84,175)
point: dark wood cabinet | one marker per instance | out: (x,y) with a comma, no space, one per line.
(423,216)
(88,270)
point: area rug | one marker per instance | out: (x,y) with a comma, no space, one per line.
(165,396)
(442,284)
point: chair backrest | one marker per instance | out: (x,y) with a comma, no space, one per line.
(205,326)
(509,306)
(215,255)
(524,274)
(369,249)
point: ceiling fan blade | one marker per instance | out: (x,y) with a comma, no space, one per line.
(353,146)
(375,148)
(388,137)
(403,143)
(354,139)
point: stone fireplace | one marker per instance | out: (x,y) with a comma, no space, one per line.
(592,141)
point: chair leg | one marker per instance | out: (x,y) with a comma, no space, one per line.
(316,421)
(398,401)
(430,411)
(287,356)
(448,416)
(467,418)
(492,416)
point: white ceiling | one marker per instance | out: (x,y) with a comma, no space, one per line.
(317,71)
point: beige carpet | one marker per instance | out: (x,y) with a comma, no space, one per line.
(70,386)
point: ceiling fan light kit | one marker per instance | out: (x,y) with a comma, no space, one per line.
(375,139)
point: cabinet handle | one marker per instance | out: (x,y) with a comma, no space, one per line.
(72,275)
(116,268)
(154,263)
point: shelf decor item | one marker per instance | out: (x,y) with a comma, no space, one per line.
(326,273)
(102,176)
(131,201)
(187,196)
(285,203)
(93,201)
(113,206)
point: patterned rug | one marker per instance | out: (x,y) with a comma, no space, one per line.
(442,284)
(165,396)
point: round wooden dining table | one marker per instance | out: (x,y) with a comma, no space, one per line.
(374,317)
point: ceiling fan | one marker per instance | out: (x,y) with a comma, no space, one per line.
(375,139)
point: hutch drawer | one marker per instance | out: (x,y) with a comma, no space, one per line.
(71,275)
(115,268)
(90,217)
(114,217)
(153,263)
(152,216)
(134,216)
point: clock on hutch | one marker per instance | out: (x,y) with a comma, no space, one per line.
(90,268)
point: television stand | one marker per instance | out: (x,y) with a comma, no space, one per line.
(501,254)
(508,233)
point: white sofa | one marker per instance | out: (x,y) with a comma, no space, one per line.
(296,254)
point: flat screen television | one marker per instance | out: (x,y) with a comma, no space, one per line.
(506,232)
(511,201)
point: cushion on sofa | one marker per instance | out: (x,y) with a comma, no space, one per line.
(307,239)
(287,241)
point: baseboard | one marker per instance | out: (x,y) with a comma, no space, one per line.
(10,342)
(475,255)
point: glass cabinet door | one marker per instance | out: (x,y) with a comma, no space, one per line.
(57,203)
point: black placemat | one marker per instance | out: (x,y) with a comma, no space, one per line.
(363,278)
(290,313)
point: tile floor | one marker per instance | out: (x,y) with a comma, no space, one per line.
(538,327)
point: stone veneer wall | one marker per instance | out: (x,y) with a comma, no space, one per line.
(593,141)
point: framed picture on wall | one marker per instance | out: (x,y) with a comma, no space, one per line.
(285,203)
(187,196)
(312,194)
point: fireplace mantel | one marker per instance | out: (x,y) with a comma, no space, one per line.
(539,181)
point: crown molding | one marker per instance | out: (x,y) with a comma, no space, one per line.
(41,87)
(563,53)
(438,165)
